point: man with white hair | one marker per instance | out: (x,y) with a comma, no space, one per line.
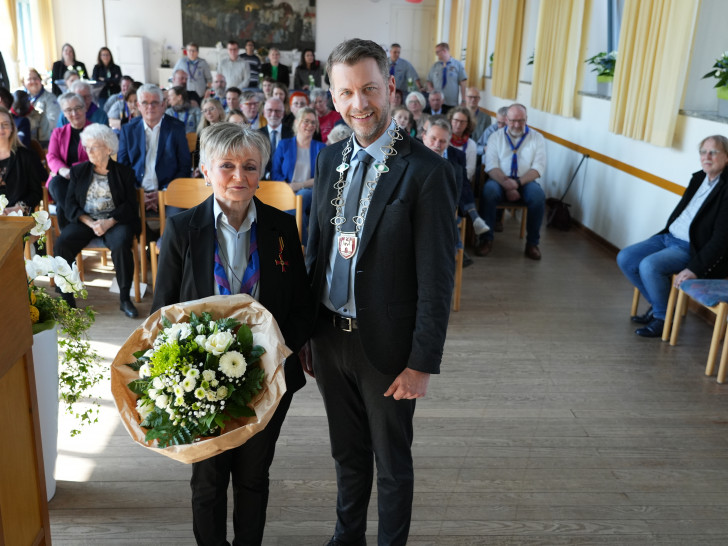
(514,159)
(154,145)
(274,130)
(93,113)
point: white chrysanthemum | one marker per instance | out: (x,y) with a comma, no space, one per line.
(144,407)
(181,329)
(178,390)
(232,364)
(200,393)
(218,343)
(211,396)
(145,370)
(189,384)
(179,401)
(194,373)
(222,393)
(214,383)
(208,375)
(162,401)
(157,383)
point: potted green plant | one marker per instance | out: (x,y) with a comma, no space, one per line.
(720,73)
(603,64)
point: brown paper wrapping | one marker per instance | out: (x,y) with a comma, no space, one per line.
(237,431)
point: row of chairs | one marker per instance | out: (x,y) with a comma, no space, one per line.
(711,294)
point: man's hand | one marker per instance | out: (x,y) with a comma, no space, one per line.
(306,360)
(151,200)
(684,275)
(408,385)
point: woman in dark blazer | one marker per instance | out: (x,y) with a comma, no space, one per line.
(108,73)
(222,229)
(67,62)
(102,202)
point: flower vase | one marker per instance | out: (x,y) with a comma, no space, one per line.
(722,101)
(604,85)
(45,363)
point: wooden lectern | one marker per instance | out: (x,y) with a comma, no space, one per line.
(23,506)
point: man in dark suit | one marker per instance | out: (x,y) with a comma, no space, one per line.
(435,105)
(154,145)
(274,110)
(381,325)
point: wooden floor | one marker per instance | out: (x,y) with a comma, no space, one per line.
(552,423)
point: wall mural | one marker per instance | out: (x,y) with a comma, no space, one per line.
(287,25)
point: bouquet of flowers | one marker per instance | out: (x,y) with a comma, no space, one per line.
(201,377)
(41,217)
(719,71)
(197,376)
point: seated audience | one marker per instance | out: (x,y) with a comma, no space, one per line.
(250,106)
(21,172)
(232,98)
(219,85)
(67,62)
(22,123)
(93,113)
(39,128)
(266,85)
(295,159)
(415,103)
(397,98)
(521,152)
(236,116)
(118,98)
(69,77)
(435,106)
(212,112)
(693,244)
(462,125)
(65,150)
(154,146)
(102,202)
(274,69)
(500,122)
(181,109)
(327,117)
(108,73)
(274,129)
(405,120)
(296,101)
(199,76)
(128,112)
(481,119)
(308,73)
(280,91)
(42,101)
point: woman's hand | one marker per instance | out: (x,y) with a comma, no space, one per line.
(10,210)
(65,172)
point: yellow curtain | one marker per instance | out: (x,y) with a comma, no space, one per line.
(507,54)
(455,41)
(8,37)
(559,53)
(477,41)
(652,64)
(44,52)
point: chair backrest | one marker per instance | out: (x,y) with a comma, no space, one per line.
(281,196)
(184,193)
(40,152)
(192,141)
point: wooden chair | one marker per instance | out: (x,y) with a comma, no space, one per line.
(459,255)
(513,207)
(669,314)
(184,193)
(192,141)
(713,295)
(281,196)
(55,230)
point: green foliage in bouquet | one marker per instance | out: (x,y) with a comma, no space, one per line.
(603,63)
(197,376)
(719,71)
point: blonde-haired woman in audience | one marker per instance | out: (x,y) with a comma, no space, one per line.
(212,112)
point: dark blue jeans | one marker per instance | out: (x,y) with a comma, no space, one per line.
(531,195)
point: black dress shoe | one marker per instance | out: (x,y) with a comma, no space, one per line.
(643,319)
(129,310)
(467,260)
(653,329)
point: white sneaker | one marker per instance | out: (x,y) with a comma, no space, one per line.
(480,227)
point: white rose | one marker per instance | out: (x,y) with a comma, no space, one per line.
(162,401)
(208,375)
(181,329)
(222,393)
(157,383)
(144,407)
(218,343)
(145,370)
(200,340)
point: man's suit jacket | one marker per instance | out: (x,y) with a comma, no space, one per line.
(186,264)
(405,261)
(709,228)
(284,160)
(457,160)
(173,153)
(443,110)
(284,73)
(285,132)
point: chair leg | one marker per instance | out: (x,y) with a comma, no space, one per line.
(723,368)
(682,300)
(153,259)
(524,213)
(715,342)
(104,259)
(635,302)
(79,263)
(669,316)
(143,251)
(137,290)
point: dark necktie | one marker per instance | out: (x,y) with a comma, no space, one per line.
(339,293)
(273,140)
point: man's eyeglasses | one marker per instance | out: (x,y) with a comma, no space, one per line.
(710,153)
(521,120)
(153,104)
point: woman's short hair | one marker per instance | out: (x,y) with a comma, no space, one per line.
(316,93)
(297,94)
(339,132)
(719,140)
(13,138)
(306,110)
(464,110)
(70,97)
(100,132)
(416,95)
(226,138)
